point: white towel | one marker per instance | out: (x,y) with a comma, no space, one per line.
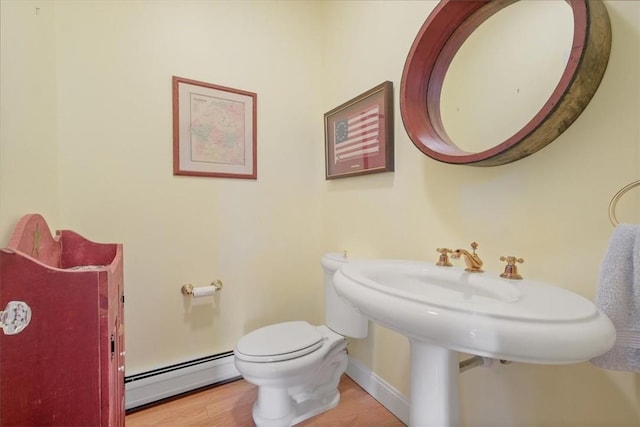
(618,296)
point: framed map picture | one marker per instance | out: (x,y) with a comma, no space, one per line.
(214,130)
(359,134)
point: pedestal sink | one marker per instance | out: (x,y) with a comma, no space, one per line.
(446,310)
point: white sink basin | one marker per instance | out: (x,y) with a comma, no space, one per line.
(477,313)
(445,310)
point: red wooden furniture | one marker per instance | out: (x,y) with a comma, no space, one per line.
(66,367)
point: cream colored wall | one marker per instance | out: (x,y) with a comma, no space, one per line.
(115,63)
(549,208)
(28,152)
(111,78)
(99,161)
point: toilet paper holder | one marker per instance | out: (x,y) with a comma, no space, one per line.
(188,288)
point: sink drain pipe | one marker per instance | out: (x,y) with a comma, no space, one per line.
(475,361)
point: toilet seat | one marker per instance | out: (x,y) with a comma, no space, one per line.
(279,342)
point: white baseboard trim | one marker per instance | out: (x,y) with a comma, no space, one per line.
(379,389)
(149,387)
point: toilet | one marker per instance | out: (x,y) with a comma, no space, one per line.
(297,366)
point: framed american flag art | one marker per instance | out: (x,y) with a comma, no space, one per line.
(359,134)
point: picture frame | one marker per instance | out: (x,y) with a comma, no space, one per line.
(214,130)
(359,134)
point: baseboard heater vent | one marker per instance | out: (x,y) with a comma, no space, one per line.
(150,387)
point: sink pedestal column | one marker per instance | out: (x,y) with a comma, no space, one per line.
(434,400)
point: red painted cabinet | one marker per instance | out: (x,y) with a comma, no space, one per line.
(66,366)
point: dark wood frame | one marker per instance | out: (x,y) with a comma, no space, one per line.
(376,102)
(437,42)
(182,125)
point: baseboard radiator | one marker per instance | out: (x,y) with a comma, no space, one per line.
(159,384)
(154,386)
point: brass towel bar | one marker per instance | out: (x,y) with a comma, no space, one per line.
(614,201)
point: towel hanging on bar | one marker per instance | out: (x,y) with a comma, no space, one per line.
(618,296)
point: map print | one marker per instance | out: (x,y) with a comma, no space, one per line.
(217,130)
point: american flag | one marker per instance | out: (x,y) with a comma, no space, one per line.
(358,135)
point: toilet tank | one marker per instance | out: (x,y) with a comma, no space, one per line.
(339,314)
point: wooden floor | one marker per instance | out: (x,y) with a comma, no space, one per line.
(229,405)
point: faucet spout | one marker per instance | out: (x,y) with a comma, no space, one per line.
(472,260)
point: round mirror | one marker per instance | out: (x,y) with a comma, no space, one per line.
(519,67)
(537,82)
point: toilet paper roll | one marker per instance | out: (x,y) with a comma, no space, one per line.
(203,291)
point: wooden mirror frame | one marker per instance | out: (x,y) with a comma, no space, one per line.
(435,46)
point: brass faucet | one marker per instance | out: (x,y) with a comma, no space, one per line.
(473,261)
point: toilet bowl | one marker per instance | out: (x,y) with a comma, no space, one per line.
(297,366)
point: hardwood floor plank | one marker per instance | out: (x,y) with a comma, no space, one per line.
(229,405)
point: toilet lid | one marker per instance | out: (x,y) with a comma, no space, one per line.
(282,341)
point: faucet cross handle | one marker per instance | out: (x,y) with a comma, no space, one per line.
(474,246)
(443,260)
(511,270)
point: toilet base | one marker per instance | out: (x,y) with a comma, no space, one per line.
(299,411)
(288,406)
